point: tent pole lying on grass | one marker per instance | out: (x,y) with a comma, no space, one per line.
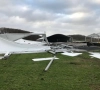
(47,67)
(6,55)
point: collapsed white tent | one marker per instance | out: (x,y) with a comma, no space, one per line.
(14,36)
(17,36)
(23,41)
(11,46)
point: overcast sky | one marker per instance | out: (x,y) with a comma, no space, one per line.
(51,16)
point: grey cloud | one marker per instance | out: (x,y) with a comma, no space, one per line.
(53,13)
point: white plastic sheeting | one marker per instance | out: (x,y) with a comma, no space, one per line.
(95,54)
(43,59)
(14,36)
(10,46)
(71,54)
(23,41)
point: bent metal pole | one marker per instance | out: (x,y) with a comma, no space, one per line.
(47,67)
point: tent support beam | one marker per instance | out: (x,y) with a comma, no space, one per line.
(49,64)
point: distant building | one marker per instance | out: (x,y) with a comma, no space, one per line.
(58,38)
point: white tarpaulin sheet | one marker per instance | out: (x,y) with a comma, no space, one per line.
(23,41)
(42,59)
(11,46)
(71,54)
(95,54)
(14,36)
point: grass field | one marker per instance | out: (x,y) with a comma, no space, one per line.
(19,72)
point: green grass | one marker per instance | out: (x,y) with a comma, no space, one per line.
(1,54)
(19,72)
